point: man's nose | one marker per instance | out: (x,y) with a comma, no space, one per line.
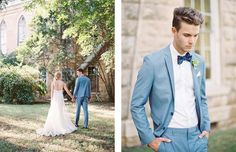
(191,40)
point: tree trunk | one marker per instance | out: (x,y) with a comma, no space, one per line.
(95,55)
(108,80)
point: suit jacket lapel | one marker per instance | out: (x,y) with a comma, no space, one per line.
(195,71)
(169,65)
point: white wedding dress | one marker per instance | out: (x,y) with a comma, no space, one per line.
(58,121)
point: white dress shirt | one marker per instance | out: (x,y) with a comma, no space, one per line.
(185,115)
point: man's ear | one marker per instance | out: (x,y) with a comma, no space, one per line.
(173,29)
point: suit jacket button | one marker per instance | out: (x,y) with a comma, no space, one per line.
(172,113)
(164,128)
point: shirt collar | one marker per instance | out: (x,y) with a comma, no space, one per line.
(174,51)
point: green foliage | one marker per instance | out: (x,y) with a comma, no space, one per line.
(20,85)
(108,58)
(8,60)
(32,50)
(92,25)
(41,87)
(67,29)
(66,32)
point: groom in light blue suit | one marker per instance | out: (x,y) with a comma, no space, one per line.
(82,93)
(173,79)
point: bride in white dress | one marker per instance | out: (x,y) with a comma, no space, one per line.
(58,121)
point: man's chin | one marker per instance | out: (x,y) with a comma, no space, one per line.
(187,50)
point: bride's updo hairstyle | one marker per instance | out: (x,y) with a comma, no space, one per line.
(57,75)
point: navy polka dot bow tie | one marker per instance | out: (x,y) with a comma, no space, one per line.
(187,57)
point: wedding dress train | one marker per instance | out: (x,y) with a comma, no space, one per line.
(58,121)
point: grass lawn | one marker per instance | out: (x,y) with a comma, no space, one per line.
(220,141)
(19,122)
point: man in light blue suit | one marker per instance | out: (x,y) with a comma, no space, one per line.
(173,79)
(82,93)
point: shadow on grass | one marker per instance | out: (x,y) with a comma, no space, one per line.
(5,127)
(99,136)
(104,105)
(96,135)
(7,146)
(85,139)
(104,139)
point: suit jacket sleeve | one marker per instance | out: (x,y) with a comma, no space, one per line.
(89,88)
(206,120)
(76,88)
(139,99)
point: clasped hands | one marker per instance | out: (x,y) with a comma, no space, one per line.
(73,98)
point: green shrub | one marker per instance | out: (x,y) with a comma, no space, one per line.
(20,85)
(8,60)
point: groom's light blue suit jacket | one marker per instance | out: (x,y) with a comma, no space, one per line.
(155,82)
(82,87)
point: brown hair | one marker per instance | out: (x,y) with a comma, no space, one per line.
(187,15)
(57,75)
(80,70)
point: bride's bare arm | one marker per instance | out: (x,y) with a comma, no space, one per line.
(67,91)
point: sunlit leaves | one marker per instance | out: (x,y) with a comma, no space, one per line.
(60,24)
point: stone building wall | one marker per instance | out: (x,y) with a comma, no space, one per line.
(146,27)
(11,16)
(227,104)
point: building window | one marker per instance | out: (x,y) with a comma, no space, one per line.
(3,39)
(93,75)
(21,30)
(208,44)
(203,45)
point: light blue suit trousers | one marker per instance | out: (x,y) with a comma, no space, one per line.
(183,140)
(84,102)
(82,92)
